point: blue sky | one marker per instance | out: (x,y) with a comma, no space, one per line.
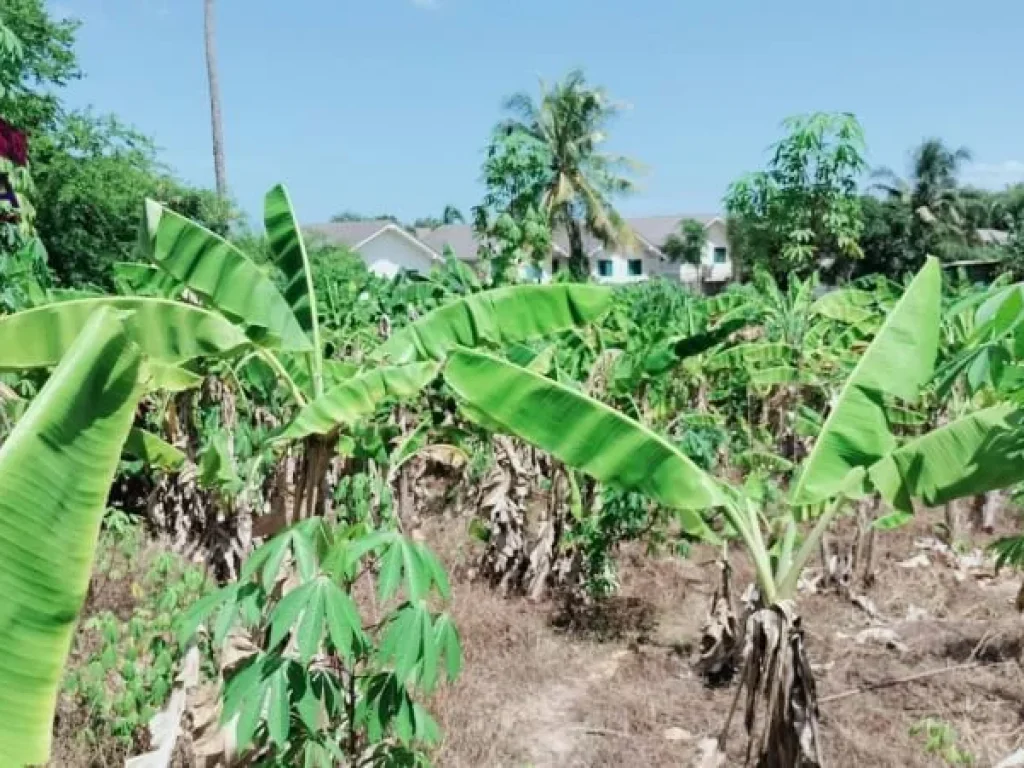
(386,105)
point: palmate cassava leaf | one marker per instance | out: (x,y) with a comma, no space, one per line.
(55,472)
(496,318)
(897,364)
(222,276)
(980,452)
(358,397)
(312,609)
(583,432)
(167,332)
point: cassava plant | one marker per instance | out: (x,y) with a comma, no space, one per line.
(856,454)
(334,681)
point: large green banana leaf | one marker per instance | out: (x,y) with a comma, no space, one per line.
(975,454)
(290,257)
(358,397)
(498,317)
(166,331)
(134,278)
(222,276)
(55,471)
(898,362)
(670,352)
(583,432)
(754,355)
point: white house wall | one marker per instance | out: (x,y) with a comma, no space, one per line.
(716,238)
(389,252)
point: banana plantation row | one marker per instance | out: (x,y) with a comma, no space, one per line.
(280,428)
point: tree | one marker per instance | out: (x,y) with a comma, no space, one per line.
(350,216)
(568,122)
(509,222)
(932,194)
(450,215)
(40,60)
(688,246)
(89,171)
(216,117)
(803,213)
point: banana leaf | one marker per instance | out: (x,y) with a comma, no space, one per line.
(672,351)
(153,450)
(974,454)
(138,279)
(166,331)
(584,433)
(496,318)
(357,398)
(55,472)
(898,363)
(290,257)
(222,276)
(850,305)
(754,355)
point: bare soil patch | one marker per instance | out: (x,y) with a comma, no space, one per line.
(612,684)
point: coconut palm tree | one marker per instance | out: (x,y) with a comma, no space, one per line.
(568,121)
(216,118)
(931,190)
(932,193)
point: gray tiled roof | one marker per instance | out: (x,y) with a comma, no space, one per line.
(462,240)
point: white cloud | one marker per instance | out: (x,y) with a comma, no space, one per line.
(994,175)
(427,5)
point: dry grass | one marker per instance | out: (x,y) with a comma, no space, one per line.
(603,686)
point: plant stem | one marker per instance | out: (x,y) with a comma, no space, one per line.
(788,579)
(293,388)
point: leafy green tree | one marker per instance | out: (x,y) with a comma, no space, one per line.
(90,171)
(803,213)
(932,194)
(91,174)
(450,215)
(348,216)
(887,239)
(688,246)
(510,221)
(46,62)
(568,122)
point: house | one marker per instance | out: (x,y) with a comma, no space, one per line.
(388,248)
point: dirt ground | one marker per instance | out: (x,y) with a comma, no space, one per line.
(615,686)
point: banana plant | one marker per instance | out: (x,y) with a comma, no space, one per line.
(856,453)
(55,473)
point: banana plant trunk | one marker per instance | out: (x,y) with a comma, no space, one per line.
(780,692)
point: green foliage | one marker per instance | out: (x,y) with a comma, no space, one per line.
(55,472)
(511,220)
(941,742)
(688,245)
(327,686)
(127,661)
(580,180)
(803,213)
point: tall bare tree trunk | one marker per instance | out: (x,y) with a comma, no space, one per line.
(216,119)
(579,266)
